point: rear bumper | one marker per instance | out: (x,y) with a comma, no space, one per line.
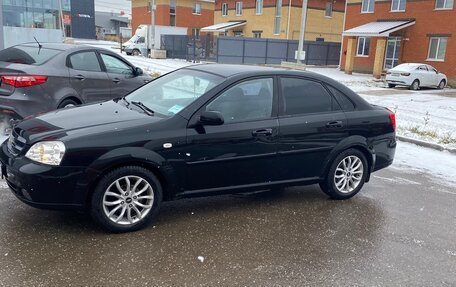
(384,153)
(399,80)
(20,105)
(44,186)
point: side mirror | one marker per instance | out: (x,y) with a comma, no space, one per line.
(138,71)
(211,118)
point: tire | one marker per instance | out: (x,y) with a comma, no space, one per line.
(329,184)
(415,86)
(441,85)
(391,86)
(122,216)
(135,52)
(68,103)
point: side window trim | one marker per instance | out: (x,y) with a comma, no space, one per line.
(70,66)
(335,98)
(275,100)
(281,111)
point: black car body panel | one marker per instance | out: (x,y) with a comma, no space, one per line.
(192,159)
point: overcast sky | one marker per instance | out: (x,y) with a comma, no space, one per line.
(113,6)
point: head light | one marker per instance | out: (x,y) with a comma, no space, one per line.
(47,152)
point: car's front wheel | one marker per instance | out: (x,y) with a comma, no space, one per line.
(126,199)
(346,175)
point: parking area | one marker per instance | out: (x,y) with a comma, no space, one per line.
(399,231)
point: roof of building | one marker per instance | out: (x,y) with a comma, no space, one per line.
(378,28)
(222,27)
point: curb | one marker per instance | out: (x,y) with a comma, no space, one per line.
(426,144)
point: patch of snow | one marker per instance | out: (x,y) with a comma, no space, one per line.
(201,259)
(440,165)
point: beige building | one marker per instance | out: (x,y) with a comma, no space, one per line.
(279,19)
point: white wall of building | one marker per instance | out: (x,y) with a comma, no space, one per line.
(18,35)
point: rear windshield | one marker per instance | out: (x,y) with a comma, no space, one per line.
(27,55)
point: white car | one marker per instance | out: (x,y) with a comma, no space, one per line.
(414,76)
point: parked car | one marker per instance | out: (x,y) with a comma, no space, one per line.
(36,78)
(415,76)
(201,130)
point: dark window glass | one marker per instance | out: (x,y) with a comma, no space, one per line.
(247,101)
(342,99)
(27,55)
(85,61)
(302,96)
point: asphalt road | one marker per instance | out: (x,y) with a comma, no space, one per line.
(399,231)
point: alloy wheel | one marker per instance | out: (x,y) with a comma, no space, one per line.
(348,174)
(128,200)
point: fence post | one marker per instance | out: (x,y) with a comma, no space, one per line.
(266,54)
(307,54)
(243,50)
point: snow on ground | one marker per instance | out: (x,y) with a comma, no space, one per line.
(440,165)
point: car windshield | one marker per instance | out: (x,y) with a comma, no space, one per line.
(173,92)
(27,55)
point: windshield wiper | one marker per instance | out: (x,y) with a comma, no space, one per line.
(125,100)
(143,107)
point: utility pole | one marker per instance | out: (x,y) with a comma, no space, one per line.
(301,32)
(152,26)
(62,22)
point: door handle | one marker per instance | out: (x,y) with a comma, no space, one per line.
(335,124)
(262,132)
(79,77)
(116,80)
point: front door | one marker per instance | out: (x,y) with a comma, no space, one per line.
(311,124)
(393,49)
(242,151)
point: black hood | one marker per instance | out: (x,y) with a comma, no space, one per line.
(81,120)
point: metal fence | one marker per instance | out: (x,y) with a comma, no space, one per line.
(189,48)
(239,50)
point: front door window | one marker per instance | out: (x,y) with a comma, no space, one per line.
(392,52)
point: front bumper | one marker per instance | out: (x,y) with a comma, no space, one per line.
(43,186)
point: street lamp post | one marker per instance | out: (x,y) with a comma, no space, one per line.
(302,31)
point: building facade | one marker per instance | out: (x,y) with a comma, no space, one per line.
(110,24)
(382,34)
(193,14)
(281,19)
(22,20)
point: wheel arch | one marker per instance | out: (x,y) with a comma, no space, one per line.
(70,97)
(356,142)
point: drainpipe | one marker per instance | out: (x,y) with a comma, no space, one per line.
(342,41)
(289,16)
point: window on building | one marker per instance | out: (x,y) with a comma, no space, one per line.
(301,96)
(367,6)
(444,4)
(196,33)
(197,8)
(238,8)
(238,33)
(257,34)
(329,9)
(398,5)
(363,46)
(437,48)
(224,9)
(259,7)
(278,15)
(172,12)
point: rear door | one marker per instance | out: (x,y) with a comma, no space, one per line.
(87,76)
(311,124)
(121,74)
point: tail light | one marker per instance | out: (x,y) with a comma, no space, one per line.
(405,74)
(392,117)
(21,81)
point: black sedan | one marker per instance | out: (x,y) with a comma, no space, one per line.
(37,78)
(201,130)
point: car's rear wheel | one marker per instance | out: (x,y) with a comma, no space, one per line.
(126,199)
(346,175)
(135,52)
(391,85)
(441,85)
(415,85)
(68,103)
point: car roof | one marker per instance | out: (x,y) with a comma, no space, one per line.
(60,46)
(228,70)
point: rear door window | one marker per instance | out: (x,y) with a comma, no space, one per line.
(85,61)
(302,96)
(27,55)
